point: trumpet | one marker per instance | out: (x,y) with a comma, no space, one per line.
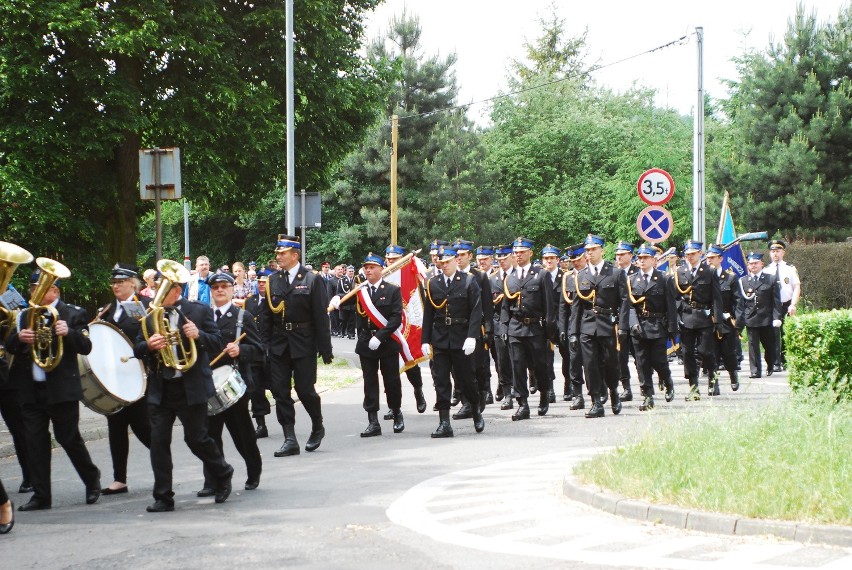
(41,318)
(11,256)
(175,354)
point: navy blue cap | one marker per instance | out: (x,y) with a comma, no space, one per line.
(624,247)
(373,258)
(594,241)
(221,277)
(124,271)
(286,243)
(692,246)
(646,249)
(463,245)
(503,251)
(550,250)
(566,255)
(447,252)
(755,256)
(577,251)
(671,252)
(715,249)
(777,244)
(436,245)
(484,251)
(394,250)
(522,243)
(536,263)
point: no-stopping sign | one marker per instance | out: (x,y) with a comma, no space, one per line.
(654,224)
(656,187)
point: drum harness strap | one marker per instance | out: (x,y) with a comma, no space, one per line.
(240,317)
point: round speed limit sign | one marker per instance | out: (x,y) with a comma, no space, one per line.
(656,187)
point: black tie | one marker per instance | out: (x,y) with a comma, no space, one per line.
(217,314)
(523,274)
(448,282)
(645,277)
(286,279)
(372,291)
(596,270)
(777,272)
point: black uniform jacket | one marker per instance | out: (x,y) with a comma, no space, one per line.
(251,347)
(729,290)
(701,301)
(344,285)
(63,382)
(459,318)
(761,302)
(303,326)
(198,380)
(531,314)
(600,316)
(487,302)
(655,314)
(499,326)
(566,295)
(388,301)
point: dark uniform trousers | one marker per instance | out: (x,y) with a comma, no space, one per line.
(650,322)
(504,365)
(387,301)
(461,303)
(697,311)
(289,373)
(727,336)
(10,411)
(134,416)
(595,324)
(259,367)
(528,326)
(238,421)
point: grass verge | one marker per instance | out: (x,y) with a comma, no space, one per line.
(792,461)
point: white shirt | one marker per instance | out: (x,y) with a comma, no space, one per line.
(446,277)
(788,278)
(223,309)
(596,269)
(553,274)
(525,270)
(293,271)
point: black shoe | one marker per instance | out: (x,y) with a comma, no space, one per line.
(533,388)
(315,439)
(290,445)
(92,495)
(6,528)
(464,413)
(489,398)
(26,487)
(420,399)
(543,405)
(498,395)
(777,368)
(398,422)
(478,423)
(551,397)
(435,407)
(735,381)
(252,484)
(578,403)
(647,404)
(626,395)
(604,399)
(694,394)
(523,412)
(224,490)
(261,431)
(374,428)
(388,415)
(597,409)
(770,372)
(160,506)
(758,375)
(507,404)
(34,505)
(566,397)
(670,394)
(713,388)
(444,428)
(616,402)
(455,400)
(206,492)
(108,491)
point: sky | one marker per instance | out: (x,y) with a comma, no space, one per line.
(487,34)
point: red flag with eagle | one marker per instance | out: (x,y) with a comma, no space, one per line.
(408,278)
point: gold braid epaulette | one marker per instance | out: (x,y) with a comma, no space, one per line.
(429,296)
(274,308)
(565,296)
(590,297)
(687,291)
(508,295)
(633,299)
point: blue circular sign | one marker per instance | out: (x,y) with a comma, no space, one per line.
(654,224)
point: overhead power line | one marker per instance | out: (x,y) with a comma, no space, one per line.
(680,41)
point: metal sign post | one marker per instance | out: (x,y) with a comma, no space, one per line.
(159,179)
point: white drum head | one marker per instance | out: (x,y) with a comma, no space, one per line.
(112,361)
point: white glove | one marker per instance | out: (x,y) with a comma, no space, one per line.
(426,349)
(334,303)
(374,343)
(469,346)
(726,316)
(776,323)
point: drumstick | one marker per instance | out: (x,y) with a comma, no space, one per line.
(221,354)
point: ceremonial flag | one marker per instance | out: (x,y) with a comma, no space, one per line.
(733,258)
(408,335)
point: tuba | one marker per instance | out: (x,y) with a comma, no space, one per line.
(11,256)
(42,317)
(176,354)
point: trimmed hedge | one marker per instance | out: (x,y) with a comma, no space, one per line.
(826,273)
(819,352)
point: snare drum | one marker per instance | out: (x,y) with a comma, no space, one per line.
(229,388)
(110,375)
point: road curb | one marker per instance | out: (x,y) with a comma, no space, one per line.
(703,521)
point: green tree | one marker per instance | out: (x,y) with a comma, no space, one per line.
(84,86)
(790,164)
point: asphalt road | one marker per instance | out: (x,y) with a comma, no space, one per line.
(491,500)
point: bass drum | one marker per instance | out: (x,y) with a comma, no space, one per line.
(111,376)
(229,386)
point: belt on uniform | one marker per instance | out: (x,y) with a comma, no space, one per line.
(449,321)
(292,326)
(602,310)
(650,315)
(698,306)
(527,320)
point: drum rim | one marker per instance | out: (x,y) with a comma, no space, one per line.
(91,371)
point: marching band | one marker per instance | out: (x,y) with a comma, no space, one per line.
(188,351)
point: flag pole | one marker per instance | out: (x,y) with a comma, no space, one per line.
(722,218)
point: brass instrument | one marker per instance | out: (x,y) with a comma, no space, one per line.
(41,318)
(11,256)
(175,354)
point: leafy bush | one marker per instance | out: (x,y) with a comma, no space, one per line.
(819,352)
(826,273)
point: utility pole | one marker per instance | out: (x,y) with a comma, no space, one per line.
(290,200)
(698,208)
(394,147)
